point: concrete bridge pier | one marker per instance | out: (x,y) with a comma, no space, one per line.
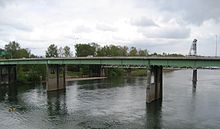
(154,89)
(56,77)
(194,78)
(8,74)
(12,74)
(102,72)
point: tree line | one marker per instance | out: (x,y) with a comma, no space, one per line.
(14,50)
(95,50)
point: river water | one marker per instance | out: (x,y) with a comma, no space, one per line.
(115,103)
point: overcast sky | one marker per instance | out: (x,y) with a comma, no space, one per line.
(157,25)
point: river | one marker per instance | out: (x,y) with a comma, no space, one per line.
(115,103)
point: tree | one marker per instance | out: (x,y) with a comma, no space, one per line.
(15,51)
(124,51)
(112,50)
(83,50)
(52,51)
(133,51)
(143,52)
(67,52)
(24,53)
(12,49)
(60,52)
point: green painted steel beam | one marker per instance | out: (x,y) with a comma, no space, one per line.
(193,62)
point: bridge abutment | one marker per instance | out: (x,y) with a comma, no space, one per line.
(154,89)
(56,77)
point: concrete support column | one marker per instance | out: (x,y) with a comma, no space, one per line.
(102,72)
(11,74)
(8,74)
(194,78)
(154,89)
(1,75)
(56,77)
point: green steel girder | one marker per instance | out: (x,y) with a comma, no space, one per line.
(193,62)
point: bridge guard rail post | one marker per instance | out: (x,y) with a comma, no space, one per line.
(56,77)
(154,89)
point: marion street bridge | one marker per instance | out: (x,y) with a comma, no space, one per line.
(56,69)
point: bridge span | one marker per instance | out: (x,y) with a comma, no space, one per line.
(56,69)
(193,62)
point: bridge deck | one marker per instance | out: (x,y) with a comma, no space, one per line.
(194,62)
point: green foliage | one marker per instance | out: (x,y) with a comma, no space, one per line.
(84,70)
(115,72)
(83,50)
(112,50)
(133,52)
(139,72)
(15,51)
(52,51)
(143,53)
(67,52)
(60,52)
(31,73)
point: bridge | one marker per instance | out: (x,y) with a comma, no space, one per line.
(56,69)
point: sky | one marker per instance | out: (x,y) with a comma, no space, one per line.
(156,25)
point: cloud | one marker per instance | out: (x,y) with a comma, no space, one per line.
(143,22)
(105,27)
(193,11)
(163,45)
(166,32)
(82,29)
(3,3)
(14,25)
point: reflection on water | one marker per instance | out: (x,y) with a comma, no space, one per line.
(114,103)
(153,115)
(56,101)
